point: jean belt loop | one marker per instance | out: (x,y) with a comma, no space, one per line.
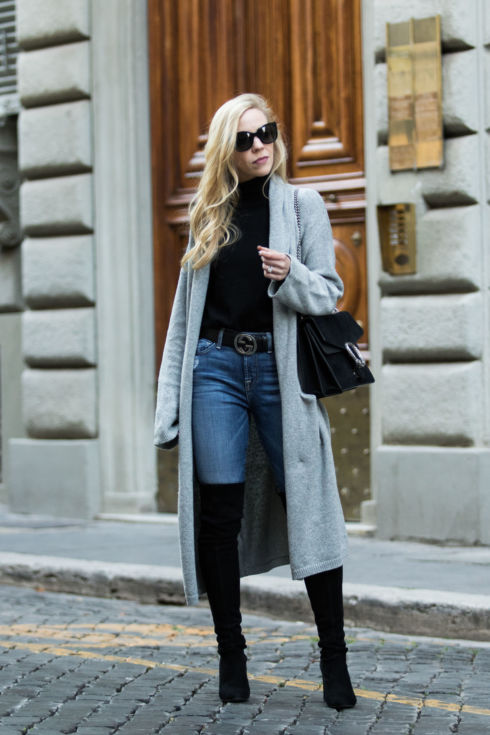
(220,338)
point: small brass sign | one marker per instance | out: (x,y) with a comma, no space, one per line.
(413,51)
(397,236)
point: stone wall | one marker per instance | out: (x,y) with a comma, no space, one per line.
(432,465)
(87,382)
(11,301)
(59,380)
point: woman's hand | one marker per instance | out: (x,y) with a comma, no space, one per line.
(276,265)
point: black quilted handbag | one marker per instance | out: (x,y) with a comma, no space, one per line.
(329,360)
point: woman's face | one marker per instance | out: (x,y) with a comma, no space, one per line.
(258,160)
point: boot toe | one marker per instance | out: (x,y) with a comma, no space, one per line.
(337,687)
(233,681)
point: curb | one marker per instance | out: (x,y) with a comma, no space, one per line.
(140,582)
(424,612)
(391,609)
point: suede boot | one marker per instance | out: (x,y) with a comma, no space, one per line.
(233,681)
(220,521)
(325,593)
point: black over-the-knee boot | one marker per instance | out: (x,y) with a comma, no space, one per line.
(221,515)
(325,593)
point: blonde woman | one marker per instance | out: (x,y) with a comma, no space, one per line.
(257,484)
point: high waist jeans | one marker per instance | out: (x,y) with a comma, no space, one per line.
(228,388)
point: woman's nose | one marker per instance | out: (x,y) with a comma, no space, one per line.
(257,143)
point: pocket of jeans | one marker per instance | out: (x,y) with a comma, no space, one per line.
(204,345)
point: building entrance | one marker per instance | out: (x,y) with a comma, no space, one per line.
(305,57)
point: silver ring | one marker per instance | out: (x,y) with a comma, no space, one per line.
(269,269)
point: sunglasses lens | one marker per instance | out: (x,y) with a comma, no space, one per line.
(244,141)
(268,133)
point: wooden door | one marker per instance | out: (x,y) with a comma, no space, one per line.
(305,57)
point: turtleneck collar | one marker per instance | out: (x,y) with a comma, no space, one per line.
(253,190)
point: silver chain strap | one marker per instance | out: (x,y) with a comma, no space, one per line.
(298,222)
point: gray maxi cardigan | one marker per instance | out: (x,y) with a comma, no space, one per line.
(312,538)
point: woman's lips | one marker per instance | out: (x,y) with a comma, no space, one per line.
(262,160)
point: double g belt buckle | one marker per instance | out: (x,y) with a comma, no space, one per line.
(245,344)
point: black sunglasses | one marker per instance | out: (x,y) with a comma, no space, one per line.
(266,133)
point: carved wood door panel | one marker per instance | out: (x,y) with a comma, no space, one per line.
(305,57)
(326,111)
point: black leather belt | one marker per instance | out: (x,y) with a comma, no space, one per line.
(245,343)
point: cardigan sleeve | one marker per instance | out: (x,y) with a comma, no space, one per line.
(312,286)
(166,434)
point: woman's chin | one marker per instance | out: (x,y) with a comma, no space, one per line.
(264,170)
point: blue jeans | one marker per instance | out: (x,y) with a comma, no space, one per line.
(228,388)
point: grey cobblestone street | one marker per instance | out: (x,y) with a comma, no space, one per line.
(82,665)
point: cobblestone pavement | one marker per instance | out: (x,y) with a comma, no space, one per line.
(82,665)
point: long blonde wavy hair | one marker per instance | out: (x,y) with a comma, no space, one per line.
(211,209)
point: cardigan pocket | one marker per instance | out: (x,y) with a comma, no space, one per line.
(308,397)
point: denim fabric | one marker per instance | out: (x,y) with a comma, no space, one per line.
(227,389)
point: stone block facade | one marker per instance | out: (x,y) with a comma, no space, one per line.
(433,327)
(43,23)
(58,205)
(453,185)
(431,406)
(55,74)
(59,381)
(52,462)
(55,139)
(447,511)
(63,337)
(58,271)
(60,404)
(87,327)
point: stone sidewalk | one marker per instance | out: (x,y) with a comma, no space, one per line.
(71,664)
(394,586)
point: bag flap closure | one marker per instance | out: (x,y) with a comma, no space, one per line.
(335,329)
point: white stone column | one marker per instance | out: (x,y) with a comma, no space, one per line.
(11,303)
(431,467)
(369,507)
(124,254)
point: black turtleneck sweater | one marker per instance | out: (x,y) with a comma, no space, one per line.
(237,291)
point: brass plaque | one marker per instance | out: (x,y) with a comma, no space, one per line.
(397,236)
(414,93)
